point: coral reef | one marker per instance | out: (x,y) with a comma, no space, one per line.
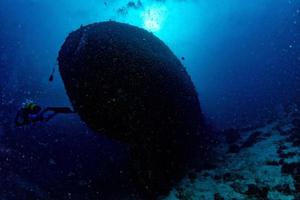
(263,164)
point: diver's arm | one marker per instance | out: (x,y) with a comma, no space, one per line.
(63,110)
(54,111)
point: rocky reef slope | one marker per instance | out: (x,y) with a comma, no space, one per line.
(263,163)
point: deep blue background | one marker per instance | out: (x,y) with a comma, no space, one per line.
(243,56)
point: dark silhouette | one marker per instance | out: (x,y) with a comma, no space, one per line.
(125,82)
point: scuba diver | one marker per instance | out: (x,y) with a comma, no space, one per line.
(32,113)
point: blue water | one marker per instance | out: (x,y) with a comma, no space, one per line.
(243,57)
